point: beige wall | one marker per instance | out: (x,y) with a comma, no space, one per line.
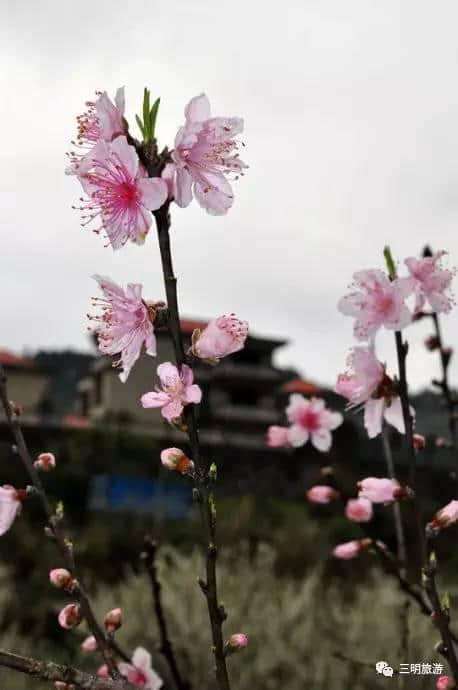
(26,388)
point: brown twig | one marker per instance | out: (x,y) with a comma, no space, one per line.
(166,647)
(54,519)
(202,478)
(49,671)
(444,384)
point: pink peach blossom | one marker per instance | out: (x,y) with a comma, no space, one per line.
(221,337)
(45,462)
(103,120)
(235,643)
(125,323)
(277,436)
(175,459)
(61,578)
(310,419)
(359,510)
(205,152)
(447,515)
(376,301)
(119,193)
(431,282)
(351,549)
(322,494)
(140,672)
(379,490)
(178,390)
(70,616)
(444,683)
(89,644)
(10,506)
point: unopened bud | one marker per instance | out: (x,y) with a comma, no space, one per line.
(89,644)
(418,441)
(441,442)
(45,462)
(113,620)
(432,343)
(235,643)
(102,671)
(175,459)
(61,578)
(16,408)
(447,353)
(70,616)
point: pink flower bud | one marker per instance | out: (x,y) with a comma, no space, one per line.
(446,516)
(322,494)
(175,459)
(359,510)
(223,336)
(277,436)
(444,683)
(45,462)
(235,643)
(419,441)
(102,671)
(70,616)
(381,490)
(61,578)
(89,644)
(447,353)
(351,549)
(113,620)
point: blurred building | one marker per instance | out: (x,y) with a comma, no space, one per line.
(27,382)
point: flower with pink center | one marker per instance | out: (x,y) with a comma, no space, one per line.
(310,419)
(70,616)
(351,549)
(10,506)
(277,436)
(380,490)
(89,644)
(205,152)
(103,120)
(445,683)
(178,390)
(125,324)
(140,672)
(367,384)
(377,301)
(359,510)
(322,494)
(119,193)
(175,459)
(431,282)
(223,336)
(446,516)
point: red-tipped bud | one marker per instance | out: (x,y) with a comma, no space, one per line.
(432,343)
(418,441)
(70,616)
(89,644)
(235,643)
(447,353)
(113,620)
(175,459)
(45,462)
(61,578)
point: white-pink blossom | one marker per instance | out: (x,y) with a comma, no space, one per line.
(125,323)
(61,578)
(206,151)
(221,337)
(351,549)
(380,490)
(310,419)
(431,282)
(140,671)
(446,516)
(89,644)
(10,506)
(359,510)
(277,436)
(377,301)
(119,192)
(322,494)
(178,390)
(45,462)
(176,459)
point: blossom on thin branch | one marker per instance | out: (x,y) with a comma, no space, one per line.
(178,390)
(140,671)
(125,324)
(221,337)
(311,420)
(431,282)
(10,506)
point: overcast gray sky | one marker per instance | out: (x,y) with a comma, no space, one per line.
(351,113)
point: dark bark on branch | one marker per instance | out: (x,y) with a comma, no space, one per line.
(201,477)
(444,384)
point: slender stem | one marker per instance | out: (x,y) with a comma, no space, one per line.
(201,478)
(444,383)
(397,516)
(49,671)
(166,647)
(55,525)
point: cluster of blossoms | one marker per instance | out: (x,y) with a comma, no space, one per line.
(377,301)
(309,420)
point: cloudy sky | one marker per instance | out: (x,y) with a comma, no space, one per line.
(351,113)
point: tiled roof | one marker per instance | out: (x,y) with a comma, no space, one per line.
(8,359)
(300,386)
